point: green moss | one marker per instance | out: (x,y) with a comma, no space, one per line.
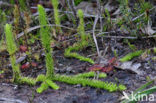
(80,44)
(130,56)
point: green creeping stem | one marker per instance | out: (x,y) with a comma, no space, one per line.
(81,44)
(130,56)
(46,83)
(90,74)
(111,87)
(56,15)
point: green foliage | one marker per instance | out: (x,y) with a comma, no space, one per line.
(42,88)
(108,22)
(56,15)
(131,46)
(22,4)
(81,29)
(127,21)
(1,72)
(45,83)
(12,1)
(52,84)
(47,80)
(111,87)
(144,6)
(40,78)
(75,55)
(3,17)
(11,48)
(16,18)
(80,44)
(77,2)
(131,56)
(28,80)
(45,38)
(90,74)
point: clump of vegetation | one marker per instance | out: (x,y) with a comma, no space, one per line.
(45,38)
(130,56)
(56,15)
(80,44)
(11,48)
(47,80)
(50,76)
(16,19)
(22,4)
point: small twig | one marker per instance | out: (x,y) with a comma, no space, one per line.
(94,37)
(37,27)
(67,12)
(128,37)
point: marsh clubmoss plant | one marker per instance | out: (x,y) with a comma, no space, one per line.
(80,44)
(46,39)
(56,15)
(47,80)
(130,56)
(11,48)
